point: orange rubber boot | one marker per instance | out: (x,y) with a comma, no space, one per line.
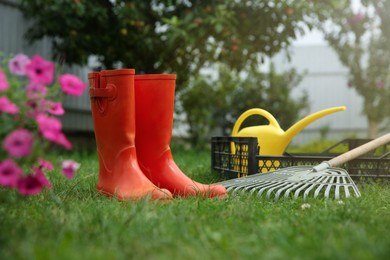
(154,104)
(112,103)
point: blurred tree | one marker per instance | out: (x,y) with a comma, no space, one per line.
(182,37)
(177,36)
(215,102)
(361,38)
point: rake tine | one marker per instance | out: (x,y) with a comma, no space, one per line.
(264,185)
(254,186)
(269,192)
(247,185)
(236,184)
(347,193)
(306,193)
(317,191)
(296,193)
(293,189)
(336,185)
(236,189)
(355,189)
(337,191)
(327,190)
(233,188)
(265,188)
(311,185)
(259,186)
(288,189)
(322,186)
(357,193)
(241,188)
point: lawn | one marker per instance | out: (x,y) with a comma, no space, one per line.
(73,222)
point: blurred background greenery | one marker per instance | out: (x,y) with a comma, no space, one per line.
(233,39)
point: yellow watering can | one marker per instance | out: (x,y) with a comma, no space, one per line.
(271,138)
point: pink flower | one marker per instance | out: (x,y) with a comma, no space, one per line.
(69,168)
(30,185)
(17,65)
(45,165)
(9,173)
(39,106)
(71,85)
(40,70)
(55,108)
(3,81)
(18,143)
(62,140)
(40,175)
(50,128)
(35,182)
(35,108)
(7,106)
(35,90)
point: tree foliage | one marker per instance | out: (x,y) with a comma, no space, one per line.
(182,37)
(362,41)
(216,102)
(157,36)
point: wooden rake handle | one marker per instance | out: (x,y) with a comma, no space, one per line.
(354,153)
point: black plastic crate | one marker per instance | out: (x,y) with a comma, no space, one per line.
(234,157)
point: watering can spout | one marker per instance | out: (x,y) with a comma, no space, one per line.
(301,124)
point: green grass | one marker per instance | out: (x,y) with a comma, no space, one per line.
(73,222)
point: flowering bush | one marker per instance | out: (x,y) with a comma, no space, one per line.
(29,110)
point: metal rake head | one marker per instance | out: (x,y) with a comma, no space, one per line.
(295,182)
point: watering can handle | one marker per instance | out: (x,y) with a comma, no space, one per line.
(254,111)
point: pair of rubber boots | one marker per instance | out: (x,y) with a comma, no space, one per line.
(133,117)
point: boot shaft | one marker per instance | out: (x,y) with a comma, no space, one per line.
(113,110)
(155,96)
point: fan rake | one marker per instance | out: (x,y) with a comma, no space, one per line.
(321,180)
